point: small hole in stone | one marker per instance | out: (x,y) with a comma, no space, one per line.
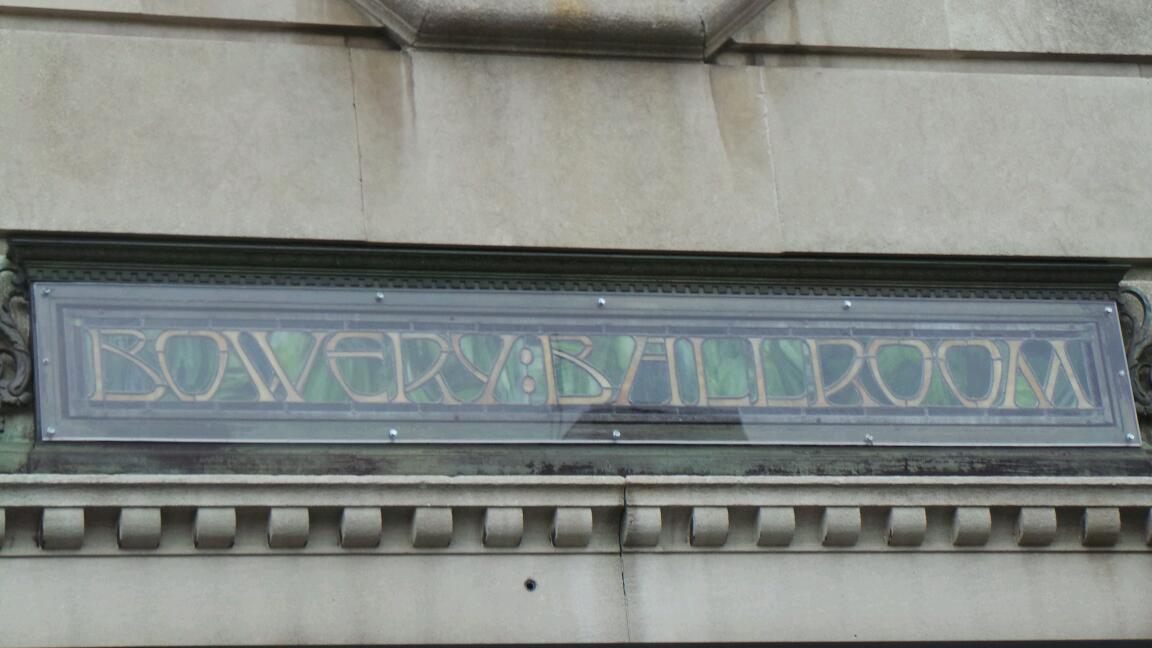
(530,585)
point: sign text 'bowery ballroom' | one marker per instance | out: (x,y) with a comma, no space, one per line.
(270,364)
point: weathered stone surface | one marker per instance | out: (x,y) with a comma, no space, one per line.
(318,600)
(177,136)
(214,527)
(139,528)
(1036,526)
(571,527)
(906,526)
(62,528)
(1078,27)
(922,163)
(893,596)
(503,527)
(553,152)
(775,526)
(971,526)
(314,13)
(965,65)
(1052,26)
(840,526)
(708,526)
(499,150)
(288,527)
(432,527)
(641,526)
(676,592)
(904,24)
(360,527)
(1100,527)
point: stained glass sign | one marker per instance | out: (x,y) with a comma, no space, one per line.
(274,364)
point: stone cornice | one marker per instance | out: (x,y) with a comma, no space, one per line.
(197,515)
(691,29)
(597,491)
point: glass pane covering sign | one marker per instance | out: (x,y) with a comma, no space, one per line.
(275,364)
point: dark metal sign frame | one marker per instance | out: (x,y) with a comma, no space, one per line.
(1110,421)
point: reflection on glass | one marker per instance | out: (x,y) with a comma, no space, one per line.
(668,364)
(304,366)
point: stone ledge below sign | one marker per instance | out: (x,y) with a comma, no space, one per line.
(242,515)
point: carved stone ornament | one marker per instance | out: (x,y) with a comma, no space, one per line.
(15,357)
(1136,324)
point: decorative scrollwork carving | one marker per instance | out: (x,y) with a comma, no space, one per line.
(1136,324)
(15,355)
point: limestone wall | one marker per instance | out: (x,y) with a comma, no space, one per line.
(830,127)
(207,560)
(1005,128)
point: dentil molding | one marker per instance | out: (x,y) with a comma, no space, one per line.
(248,515)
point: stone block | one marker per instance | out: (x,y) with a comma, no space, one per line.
(961,164)
(62,529)
(1087,27)
(432,527)
(1036,526)
(177,136)
(305,13)
(360,527)
(708,526)
(571,527)
(288,528)
(641,526)
(906,526)
(882,24)
(503,527)
(557,152)
(214,527)
(971,526)
(314,599)
(775,526)
(840,526)
(139,528)
(1083,27)
(850,597)
(1100,526)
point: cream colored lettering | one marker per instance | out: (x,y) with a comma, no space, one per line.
(334,355)
(850,378)
(263,391)
(640,354)
(997,370)
(580,359)
(292,388)
(99,346)
(491,379)
(762,399)
(1018,365)
(221,363)
(706,400)
(431,374)
(879,344)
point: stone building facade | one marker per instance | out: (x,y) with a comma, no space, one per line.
(851,148)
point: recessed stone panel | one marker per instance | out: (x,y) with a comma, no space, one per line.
(557,152)
(883,162)
(177,136)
